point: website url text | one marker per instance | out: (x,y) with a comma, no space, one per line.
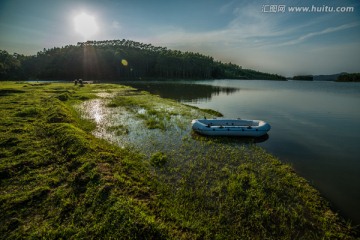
(309,9)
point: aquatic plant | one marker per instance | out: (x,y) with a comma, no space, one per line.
(158,159)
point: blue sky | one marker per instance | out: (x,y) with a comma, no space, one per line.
(247,33)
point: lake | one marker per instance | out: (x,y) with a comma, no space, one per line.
(315,126)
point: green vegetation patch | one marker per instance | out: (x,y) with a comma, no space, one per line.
(6,92)
(72,141)
(155,112)
(158,159)
(28,112)
(57,112)
(57,181)
(218,189)
(118,129)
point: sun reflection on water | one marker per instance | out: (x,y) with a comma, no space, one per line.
(96,112)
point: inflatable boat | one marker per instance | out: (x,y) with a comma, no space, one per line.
(230,127)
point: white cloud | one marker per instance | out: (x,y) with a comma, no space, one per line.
(247,24)
(227,7)
(318,33)
(256,40)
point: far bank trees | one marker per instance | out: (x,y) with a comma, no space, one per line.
(113,60)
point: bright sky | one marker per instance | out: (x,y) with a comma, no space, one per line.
(263,34)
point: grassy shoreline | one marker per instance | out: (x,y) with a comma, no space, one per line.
(59,181)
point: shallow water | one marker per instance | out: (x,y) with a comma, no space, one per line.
(126,128)
(314,126)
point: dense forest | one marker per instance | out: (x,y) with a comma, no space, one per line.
(304,77)
(119,60)
(349,77)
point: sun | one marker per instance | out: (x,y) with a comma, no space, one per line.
(85,25)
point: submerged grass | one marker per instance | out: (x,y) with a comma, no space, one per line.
(58,181)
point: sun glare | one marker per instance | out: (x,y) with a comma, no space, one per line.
(85,25)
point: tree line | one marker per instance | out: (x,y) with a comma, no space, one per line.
(119,60)
(349,77)
(304,77)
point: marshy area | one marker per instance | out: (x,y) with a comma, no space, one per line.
(108,161)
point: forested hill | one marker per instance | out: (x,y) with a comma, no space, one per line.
(119,60)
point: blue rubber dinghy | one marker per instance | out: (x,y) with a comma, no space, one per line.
(230,127)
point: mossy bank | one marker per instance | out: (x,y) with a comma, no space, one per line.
(61,179)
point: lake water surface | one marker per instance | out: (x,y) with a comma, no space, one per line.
(315,126)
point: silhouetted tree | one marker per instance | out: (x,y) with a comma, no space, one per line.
(120,59)
(9,66)
(349,77)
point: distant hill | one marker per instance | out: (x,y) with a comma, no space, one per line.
(332,77)
(120,60)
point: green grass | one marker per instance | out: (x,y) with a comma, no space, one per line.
(145,107)
(58,181)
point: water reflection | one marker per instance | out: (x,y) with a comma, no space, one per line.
(231,139)
(95,110)
(182,91)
